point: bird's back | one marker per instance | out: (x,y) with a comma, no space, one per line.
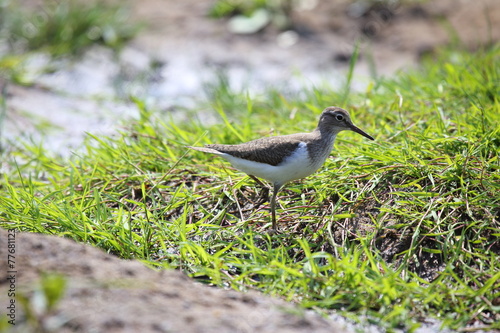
(271,150)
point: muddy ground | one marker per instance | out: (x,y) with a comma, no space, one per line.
(181,49)
(105,294)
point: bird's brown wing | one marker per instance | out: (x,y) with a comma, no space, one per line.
(271,150)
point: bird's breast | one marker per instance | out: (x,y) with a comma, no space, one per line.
(301,163)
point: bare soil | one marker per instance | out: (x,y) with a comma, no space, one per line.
(393,37)
(106,294)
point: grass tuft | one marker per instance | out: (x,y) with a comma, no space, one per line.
(394,231)
(65,27)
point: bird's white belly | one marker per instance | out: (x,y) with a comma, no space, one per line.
(296,166)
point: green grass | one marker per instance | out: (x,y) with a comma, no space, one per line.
(58,29)
(65,27)
(394,231)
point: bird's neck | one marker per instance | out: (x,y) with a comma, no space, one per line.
(322,144)
(325,133)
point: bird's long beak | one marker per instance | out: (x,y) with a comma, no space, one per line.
(360,131)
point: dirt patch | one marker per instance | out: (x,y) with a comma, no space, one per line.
(392,37)
(106,294)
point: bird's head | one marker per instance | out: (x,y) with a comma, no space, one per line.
(338,119)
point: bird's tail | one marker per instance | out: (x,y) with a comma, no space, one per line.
(205,150)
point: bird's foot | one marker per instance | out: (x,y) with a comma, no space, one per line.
(274,229)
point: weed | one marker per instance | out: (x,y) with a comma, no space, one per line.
(66,27)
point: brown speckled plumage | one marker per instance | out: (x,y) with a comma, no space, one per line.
(272,150)
(287,152)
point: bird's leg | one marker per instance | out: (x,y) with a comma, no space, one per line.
(276,188)
(257,180)
(264,194)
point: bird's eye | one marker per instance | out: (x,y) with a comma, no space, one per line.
(339,117)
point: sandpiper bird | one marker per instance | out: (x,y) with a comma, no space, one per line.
(280,159)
